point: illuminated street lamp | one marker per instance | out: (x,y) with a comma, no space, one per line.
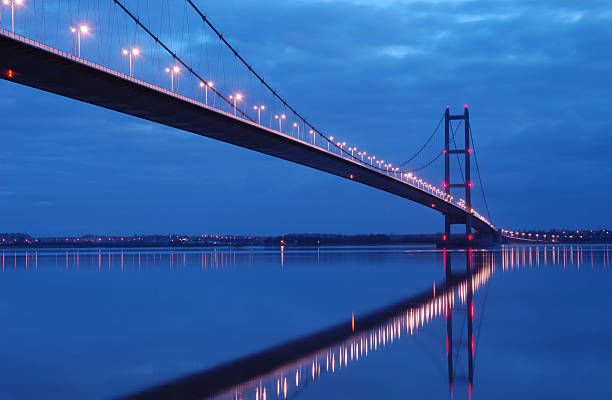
(313,137)
(13,3)
(280,119)
(331,139)
(172,71)
(134,52)
(84,29)
(296,125)
(259,110)
(207,85)
(236,98)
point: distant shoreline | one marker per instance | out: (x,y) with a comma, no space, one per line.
(22,240)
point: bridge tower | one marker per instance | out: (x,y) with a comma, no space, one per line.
(467,184)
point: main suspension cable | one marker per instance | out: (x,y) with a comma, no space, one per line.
(340,149)
(426,143)
(479,177)
(173,54)
(434,159)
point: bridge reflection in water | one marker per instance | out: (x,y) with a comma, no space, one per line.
(284,371)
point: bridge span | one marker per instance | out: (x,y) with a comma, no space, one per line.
(40,66)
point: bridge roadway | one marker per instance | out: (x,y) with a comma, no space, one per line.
(37,65)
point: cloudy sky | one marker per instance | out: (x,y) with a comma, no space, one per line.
(378,74)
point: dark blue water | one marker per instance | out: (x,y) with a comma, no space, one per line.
(100,324)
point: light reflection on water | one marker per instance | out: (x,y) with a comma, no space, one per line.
(302,375)
(221,258)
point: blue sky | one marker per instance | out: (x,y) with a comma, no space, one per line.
(377,74)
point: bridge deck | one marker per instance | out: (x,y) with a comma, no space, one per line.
(39,66)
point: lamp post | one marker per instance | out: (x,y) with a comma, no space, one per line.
(296,125)
(172,71)
(236,98)
(280,119)
(259,110)
(206,85)
(134,52)
(12,3)
(84,29)
(331,138)
(313,137)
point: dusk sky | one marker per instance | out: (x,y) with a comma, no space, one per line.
(377,74)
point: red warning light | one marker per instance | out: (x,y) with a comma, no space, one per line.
(444,151)
(465,106)
(470,237)
(447,107)
(433,205)
(469,150)
(443,237)
(10,73)
(351,176)
(470,184)
(445,185)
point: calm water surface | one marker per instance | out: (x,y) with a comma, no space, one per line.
(100,324)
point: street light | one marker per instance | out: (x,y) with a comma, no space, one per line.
(280,119)
(259,110)
(12,3)
(313,137)
(237,97)
(295,125)
(84,29)
(331,139)
(172,71)
(206,85)
(134,52)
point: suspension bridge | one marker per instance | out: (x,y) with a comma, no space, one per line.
(50,48)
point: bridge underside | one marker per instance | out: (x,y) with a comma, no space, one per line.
(43,69)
